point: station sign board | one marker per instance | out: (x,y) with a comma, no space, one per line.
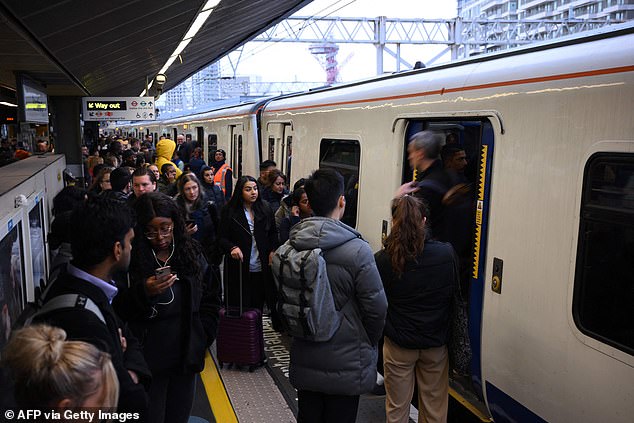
(32,101)
(118,108)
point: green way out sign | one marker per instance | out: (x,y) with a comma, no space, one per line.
(118,108)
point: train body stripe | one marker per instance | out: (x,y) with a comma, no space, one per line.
(573,75)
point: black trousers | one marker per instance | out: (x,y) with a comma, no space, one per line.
(171,396)
(317,407)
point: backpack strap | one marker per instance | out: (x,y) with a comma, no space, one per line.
(70,301)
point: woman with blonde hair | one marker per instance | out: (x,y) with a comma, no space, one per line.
(50,372)
(419,277)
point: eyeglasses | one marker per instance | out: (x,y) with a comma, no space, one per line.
(162,232)
(105,181)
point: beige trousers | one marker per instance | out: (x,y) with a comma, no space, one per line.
(430,367)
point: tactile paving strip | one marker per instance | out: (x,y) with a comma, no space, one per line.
(255,397)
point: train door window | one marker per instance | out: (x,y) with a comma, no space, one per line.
(239,170)
(603,300)
(288,155)
(212,146)
(200,136)
(236,155)
(271,149)
(344,156)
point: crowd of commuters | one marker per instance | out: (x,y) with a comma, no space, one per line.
(144,244)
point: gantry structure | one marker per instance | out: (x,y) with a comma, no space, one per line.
(463,38)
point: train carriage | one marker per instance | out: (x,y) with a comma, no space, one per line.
(548,130)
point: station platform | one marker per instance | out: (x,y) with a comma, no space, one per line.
(229,394)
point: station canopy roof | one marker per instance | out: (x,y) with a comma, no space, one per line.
(108,48)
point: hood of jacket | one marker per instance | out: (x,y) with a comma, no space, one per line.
(321,232)
(165,149)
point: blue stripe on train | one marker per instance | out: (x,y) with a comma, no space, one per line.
(505,409)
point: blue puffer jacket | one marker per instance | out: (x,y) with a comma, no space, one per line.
(345,365)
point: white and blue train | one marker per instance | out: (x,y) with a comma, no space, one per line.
(549,130)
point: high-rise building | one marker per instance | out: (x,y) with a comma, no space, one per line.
(199,89)
(615,10)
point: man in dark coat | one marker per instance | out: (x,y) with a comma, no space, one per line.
(432,181)
(101,246)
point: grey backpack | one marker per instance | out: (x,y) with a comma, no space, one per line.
(305,302)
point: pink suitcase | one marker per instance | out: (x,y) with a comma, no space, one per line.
(240,339)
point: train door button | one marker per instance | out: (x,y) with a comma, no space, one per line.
(496,283)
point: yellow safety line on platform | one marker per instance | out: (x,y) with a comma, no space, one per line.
(216,393)
(466,404)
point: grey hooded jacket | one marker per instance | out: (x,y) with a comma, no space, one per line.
(345,365)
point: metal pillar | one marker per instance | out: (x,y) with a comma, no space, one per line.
(65,112)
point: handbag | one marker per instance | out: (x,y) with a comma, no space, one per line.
(459,344)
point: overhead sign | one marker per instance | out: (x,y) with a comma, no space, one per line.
(118,108)
(33,102)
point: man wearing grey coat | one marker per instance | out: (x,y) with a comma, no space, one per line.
(330,376)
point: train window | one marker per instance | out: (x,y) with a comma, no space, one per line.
(200,136)
(603,302)
(236,155)
(344,156)
(239,156)
(271,149)
(288,158)
(212,146)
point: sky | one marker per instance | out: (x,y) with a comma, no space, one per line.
(277,62)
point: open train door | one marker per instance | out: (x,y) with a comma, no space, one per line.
(468,218)
(235,159)
(278,146)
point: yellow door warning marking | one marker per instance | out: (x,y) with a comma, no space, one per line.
(216,393)
(479,212)
(466,404)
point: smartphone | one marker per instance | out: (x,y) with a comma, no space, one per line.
(162,271)
(189,222)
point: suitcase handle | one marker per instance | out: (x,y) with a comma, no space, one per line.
(241,309)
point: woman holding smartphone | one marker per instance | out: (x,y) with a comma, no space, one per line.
(249,237)
(174,304)
(201,216)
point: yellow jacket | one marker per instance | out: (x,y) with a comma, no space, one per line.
(164,152)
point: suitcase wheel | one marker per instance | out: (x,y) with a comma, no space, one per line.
(252,368)
(220,364)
